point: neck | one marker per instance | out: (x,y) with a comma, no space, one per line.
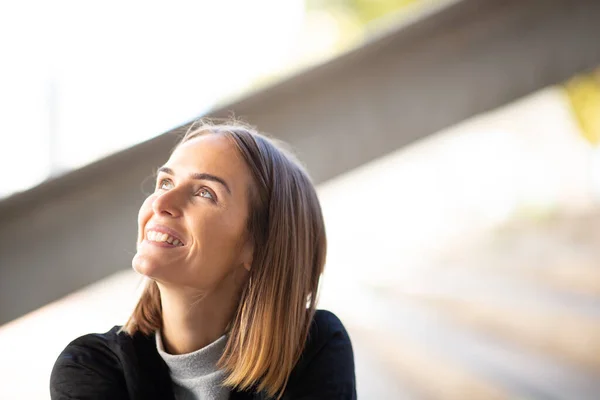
(191,321)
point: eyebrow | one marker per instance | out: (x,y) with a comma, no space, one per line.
(199,176)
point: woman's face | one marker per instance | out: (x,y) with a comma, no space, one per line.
(192,229)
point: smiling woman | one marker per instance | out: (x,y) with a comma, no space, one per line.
(232,246)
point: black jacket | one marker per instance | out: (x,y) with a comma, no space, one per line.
(117,366)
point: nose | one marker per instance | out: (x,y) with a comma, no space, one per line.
(168,204)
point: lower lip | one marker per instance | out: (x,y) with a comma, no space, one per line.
(160,244)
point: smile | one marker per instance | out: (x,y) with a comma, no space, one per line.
(155,236)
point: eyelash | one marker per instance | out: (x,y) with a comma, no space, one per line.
(212,197)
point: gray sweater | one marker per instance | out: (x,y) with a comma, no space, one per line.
(195,375)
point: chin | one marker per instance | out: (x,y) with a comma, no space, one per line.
(154,269)
(145,266)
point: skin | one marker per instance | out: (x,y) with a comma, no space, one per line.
(200,281)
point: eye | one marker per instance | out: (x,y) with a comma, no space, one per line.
(165,184)
(206,193)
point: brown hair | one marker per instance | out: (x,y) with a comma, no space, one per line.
(271,324)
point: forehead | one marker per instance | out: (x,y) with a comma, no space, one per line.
(205,150)
(213,154)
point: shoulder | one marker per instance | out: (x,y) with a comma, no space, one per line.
(326,366)
(88,348)
(94,346)
(326,323)
(110,365)
(326,329)
(95,340)
(89,364)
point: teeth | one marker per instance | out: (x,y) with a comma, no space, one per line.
(163,237)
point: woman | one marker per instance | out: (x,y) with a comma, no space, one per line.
(232,245)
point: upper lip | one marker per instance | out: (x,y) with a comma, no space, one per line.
(165,229)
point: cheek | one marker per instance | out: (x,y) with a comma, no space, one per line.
(226,240)
(144,215)
(217,239)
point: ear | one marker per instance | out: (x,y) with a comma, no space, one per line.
(248,254)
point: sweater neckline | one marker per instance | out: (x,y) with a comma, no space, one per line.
(197,363)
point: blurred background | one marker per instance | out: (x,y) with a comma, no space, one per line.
(454,144)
